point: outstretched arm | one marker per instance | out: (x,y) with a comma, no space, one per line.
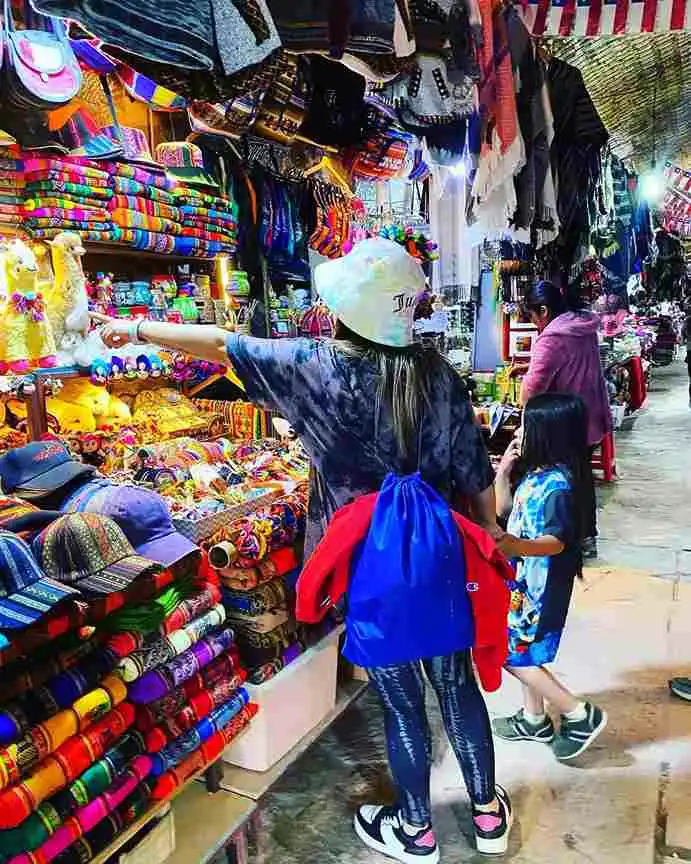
(199,340)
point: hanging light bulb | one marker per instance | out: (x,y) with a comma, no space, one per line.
(652,186)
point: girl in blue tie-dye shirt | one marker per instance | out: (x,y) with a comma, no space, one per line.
(550,455)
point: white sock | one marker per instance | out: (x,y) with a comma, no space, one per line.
(412,830)
(534,719)
(577,714)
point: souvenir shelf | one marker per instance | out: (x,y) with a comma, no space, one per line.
(116,249)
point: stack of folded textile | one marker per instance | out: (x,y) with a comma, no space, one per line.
(135,715)
(143,208)
(62,194)
(207,217)
(183,672)
(11,188)
(127,710)
(209,220)
(257,561)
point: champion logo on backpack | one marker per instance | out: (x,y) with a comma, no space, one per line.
(407,596)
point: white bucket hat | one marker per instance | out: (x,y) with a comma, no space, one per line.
(373,291)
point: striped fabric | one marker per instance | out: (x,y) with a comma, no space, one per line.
(145,90)
(605,17)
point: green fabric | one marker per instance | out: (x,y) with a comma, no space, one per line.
(148,617)
(92,782)
(68,188)
(33,832)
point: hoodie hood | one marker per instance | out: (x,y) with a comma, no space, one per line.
(573,324)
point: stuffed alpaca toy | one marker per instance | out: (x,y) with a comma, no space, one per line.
(27,338)
(68,305)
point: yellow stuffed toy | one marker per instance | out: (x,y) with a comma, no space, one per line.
(70,416)
(108,410)
(27,336)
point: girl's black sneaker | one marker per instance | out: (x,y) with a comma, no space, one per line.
(381,828)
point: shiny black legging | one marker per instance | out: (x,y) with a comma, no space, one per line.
(402,692)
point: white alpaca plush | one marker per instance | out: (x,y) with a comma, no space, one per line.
(68,306)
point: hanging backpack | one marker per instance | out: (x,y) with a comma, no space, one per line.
(41,71)
(407,598)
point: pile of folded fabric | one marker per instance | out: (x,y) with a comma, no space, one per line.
(63,194)
(257,559)
(121,713)
(11,188)
(142,208)
(208,218)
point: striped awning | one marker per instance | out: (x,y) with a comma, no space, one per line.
(605,17)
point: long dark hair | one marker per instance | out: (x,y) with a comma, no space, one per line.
(555,435)
(405,381)
(547,295)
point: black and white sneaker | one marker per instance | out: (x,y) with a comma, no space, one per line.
(492,829)
(381,828)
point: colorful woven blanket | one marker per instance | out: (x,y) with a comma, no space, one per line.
(59,187)
(146,205)
(69,761)
(133,219)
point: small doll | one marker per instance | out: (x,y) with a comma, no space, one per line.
(155,366)
(143,367)
(91,448)
(166,360)
(117,369)
(100,371)
(130,368)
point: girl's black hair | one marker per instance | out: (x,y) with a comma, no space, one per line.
(547,295)
(555,435)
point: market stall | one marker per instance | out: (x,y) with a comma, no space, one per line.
(196,174)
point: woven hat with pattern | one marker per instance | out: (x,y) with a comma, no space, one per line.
(135,147)
(91,553)
(25,593)
(184,161)
(20,516)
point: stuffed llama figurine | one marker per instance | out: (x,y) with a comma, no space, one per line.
(68,306)
(27,336)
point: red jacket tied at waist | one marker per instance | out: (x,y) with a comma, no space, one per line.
(324,580)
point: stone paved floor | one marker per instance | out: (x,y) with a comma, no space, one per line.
(628,800)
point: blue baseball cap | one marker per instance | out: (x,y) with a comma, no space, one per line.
(39,469)
(145,520)
(26,593)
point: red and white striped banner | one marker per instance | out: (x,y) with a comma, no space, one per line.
(605,17)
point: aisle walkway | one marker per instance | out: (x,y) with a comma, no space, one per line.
(628,801)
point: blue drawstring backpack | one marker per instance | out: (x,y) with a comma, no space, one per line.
(407,598)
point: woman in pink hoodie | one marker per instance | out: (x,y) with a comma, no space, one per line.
(566,359)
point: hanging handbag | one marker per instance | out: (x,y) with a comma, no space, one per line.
(41,71)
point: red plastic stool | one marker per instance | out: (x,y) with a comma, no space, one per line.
(605,458)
